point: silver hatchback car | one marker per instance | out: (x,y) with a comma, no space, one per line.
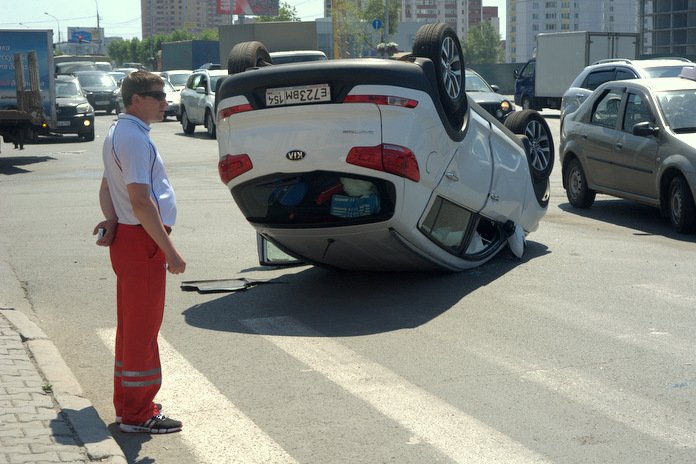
(637,140)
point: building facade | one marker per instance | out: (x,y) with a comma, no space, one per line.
(668,27)
(460,14)
(166,16)
(527,18)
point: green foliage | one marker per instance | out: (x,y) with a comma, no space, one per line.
(374,9)
(286,12)
(143,51)
(482,45)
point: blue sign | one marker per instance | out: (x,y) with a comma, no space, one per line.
(376,24)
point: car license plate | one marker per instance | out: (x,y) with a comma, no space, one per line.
(102,102)
(298,95)
(63,123)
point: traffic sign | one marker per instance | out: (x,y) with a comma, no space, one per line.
(376,24)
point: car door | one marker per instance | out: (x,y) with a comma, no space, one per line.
(198,107)
(467,179)
(600,136)
(189,96)
(635,165)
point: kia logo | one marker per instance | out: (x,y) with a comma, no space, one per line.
(295,155)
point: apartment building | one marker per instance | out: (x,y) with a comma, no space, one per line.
(460,14)
(166,16)
(668,27)
(527,18)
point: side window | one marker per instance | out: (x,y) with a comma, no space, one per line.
(595,78)
(195,80)
(622,74)
(529,70)
(204,82)
(637,110)
(606,111)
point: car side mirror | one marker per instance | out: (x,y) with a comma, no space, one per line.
(495,88)
(644,129)
(200,90)
(516,73)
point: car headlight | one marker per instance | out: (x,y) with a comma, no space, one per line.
(83,108)
(505,106)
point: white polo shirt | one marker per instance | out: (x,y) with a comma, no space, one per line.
(130,157)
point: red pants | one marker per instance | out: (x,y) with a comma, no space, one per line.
(139,265)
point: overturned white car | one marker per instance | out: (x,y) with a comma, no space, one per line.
(373,164)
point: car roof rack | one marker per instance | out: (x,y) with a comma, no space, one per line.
(613,60)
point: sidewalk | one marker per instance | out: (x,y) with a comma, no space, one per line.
(44,416)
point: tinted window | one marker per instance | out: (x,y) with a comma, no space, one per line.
(622,74)
(595,78)
(606,111)
(637,110)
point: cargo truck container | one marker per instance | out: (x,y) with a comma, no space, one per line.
(27,85)
(560,57)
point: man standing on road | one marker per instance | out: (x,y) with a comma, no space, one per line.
(140,209)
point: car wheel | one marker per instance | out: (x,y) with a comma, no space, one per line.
(210,124)
(682,212)
(247,55)
(439,43)
(186,124)
(541,152)
(577,191)
(89,135)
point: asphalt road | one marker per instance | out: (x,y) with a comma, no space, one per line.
(581,352)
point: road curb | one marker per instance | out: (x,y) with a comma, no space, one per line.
(91,431)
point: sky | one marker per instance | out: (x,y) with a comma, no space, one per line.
(121,18)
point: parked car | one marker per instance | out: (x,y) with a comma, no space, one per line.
(614,70)
(487,95)
(373,164)
(296,56)
(75,115)
(635,139)
(173,101)
(198,101)
(177,77)
(100,88)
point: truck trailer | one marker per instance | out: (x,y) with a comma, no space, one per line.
(560,57)
(27,86)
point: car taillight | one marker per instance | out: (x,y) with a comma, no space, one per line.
(382,100)
(232,166)
(387,158)
(234,110)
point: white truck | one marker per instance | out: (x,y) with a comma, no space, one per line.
(560,57)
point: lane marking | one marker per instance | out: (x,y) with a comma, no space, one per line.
(214,429)
(634,411)
(454,433)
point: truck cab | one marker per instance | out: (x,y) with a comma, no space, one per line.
(524,85)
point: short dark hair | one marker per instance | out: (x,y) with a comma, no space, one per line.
(136,82)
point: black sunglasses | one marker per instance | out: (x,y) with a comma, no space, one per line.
(156,94)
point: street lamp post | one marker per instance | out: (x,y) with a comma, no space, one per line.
(96,4)
(58,22)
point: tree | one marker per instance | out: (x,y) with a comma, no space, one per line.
(482,45)
(375,10)
(286,12)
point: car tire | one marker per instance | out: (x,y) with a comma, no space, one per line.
(439,43)
(210,125)
(247,55)
(541,152)
(578,193)
(681,209)
(186,124)
(88,136)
